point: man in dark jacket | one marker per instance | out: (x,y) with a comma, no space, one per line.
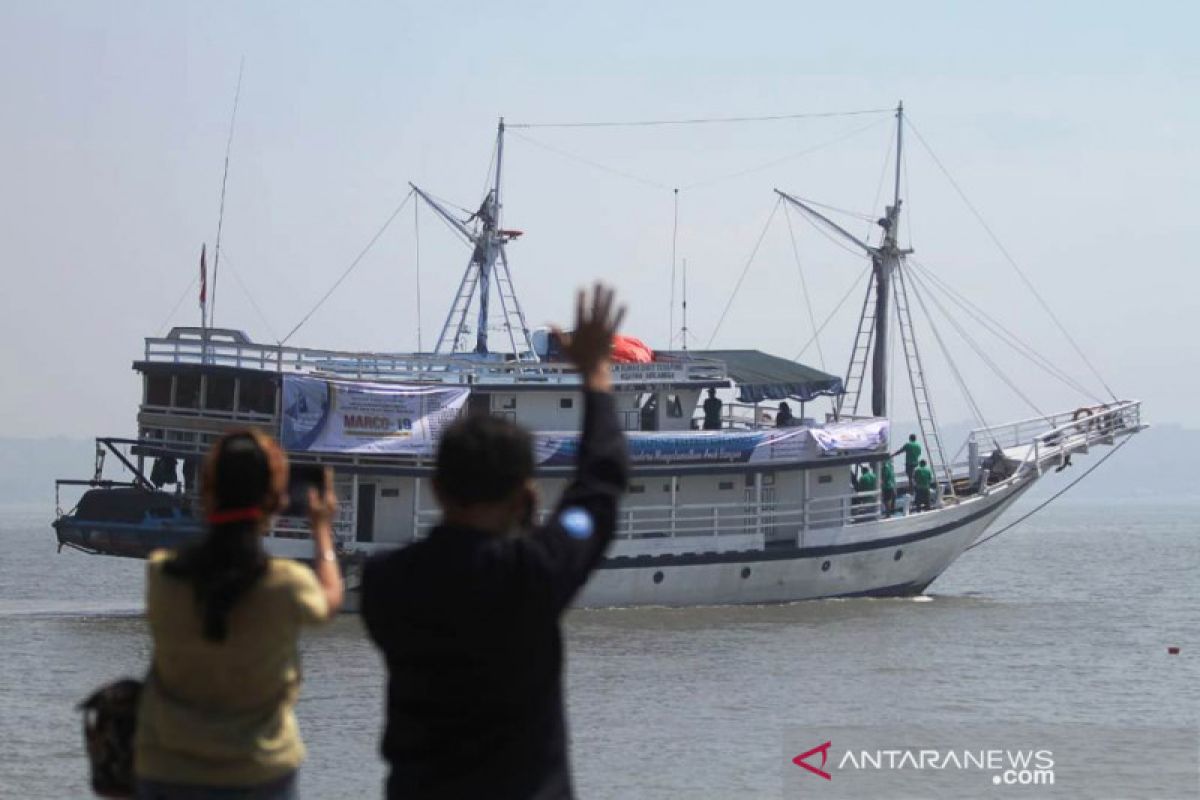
(468,618)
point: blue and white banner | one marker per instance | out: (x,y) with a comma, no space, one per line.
(342,417)
(707,447)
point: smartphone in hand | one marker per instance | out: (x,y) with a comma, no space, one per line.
(301,478)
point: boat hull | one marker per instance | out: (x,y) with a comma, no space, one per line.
(889,558)
(895,557)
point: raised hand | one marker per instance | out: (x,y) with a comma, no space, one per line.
(589,346)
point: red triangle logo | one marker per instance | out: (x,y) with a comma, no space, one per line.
(823,749)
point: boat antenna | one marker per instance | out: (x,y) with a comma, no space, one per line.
(212,306)
(684,331)
(674,239)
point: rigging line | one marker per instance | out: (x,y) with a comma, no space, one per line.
(872,226)
(253,303)
(962,384)
(349,269)
(699,120)
(745,270)
(212,305)
(163,327)
(1053,497)
(827,207)
(821,229)
(836,309)
(908,196)
(1008,257)
(812,319)
(417,249)
(1006,336)
(979,351)
(674,238)
(594,164)
(777,161)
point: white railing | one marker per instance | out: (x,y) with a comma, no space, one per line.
(233,351)
(775,520)
(1051,439)
(1101,420)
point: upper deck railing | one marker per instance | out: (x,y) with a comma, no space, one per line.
(1098,421)
(226,348)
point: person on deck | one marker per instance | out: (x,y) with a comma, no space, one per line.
(912,454)
(867,480)
(888,477)
(784,418)
(469,618)
(712,411)
(923,480)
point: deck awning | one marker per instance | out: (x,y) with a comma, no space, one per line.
(761,376)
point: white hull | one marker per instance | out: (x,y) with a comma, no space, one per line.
(863,563)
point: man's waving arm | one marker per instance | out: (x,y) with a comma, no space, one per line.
(574,538)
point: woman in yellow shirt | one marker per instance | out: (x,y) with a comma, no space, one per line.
(216,717)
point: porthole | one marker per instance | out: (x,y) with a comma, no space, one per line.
(658,577)
(745,572)
(825,567)
(899,555)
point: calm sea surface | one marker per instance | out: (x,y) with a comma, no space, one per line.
(1063,621)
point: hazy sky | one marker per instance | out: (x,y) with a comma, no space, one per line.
(1070,126)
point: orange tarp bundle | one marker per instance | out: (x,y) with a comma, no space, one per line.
(628,350)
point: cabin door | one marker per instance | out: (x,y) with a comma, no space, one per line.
(364,530)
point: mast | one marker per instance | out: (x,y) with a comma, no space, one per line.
(489,215)
(885,260)
(488,260)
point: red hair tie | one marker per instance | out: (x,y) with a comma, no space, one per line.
(234,515)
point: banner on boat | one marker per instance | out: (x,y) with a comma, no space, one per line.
(728,447)
(855,435)
(334,417)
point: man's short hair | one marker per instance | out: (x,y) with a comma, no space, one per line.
(912,437)
(482,459)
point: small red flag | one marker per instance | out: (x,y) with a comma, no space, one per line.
(203,278)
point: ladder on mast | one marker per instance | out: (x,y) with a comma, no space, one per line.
(450,338)
(930,436)
(514,317)
(860,356)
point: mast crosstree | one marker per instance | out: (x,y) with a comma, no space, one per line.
(489,260)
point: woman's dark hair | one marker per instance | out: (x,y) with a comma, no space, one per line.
(246,473)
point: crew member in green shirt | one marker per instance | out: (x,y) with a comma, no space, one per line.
(923,479)
(912,454)
(866,479)
(889,487)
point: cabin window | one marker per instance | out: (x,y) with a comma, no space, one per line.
(389,492)
(256,395)
(158,390)
(566,402)
(637,488)
(506,402)
(187,390)
(824,479)
(666,487)
(674,406)
(219,392)
(725,486)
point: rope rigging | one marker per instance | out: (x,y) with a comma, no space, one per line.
(745,269)
(996,328)
(970,340)
(346,273)
(832,314)
(812,319)
(1011,261)
(1053,497)
(699,120)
